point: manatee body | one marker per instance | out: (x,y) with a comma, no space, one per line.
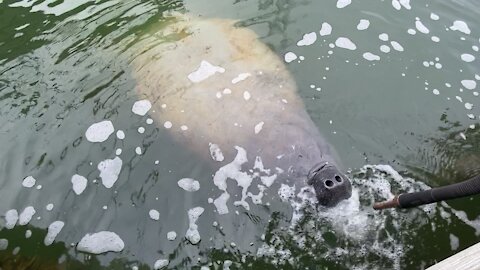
(211,82)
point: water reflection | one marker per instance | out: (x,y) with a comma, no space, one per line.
(449,157)
(29,254)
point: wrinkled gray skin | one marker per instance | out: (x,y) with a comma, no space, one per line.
(330,184)
(310,159)
(288,138)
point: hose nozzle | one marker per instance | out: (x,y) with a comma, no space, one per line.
(407,200)
(393,203)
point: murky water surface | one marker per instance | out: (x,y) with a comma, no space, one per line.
(86,168)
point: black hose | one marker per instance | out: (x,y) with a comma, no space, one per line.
(454,191)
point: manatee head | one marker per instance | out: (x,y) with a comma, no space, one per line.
(331,186)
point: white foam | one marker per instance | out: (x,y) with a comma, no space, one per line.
(29,182)
(141,130)
(189,184)
(228,263)
(286,192)
(363,24)
(396,46)
(258,165)
(11,218)
(120,134)
(241,77)
(233,171)
(246,95)
(138,150)
(258,127)
(109,171)
(326,29)
(118,151)
(468,106)
(343,3)
(3,244)
(460,26)
(421,27)
(205,71)
(469,84)
(154,214)
(268,180)
(385,48)
(192,234)
(308,39)
(436,92)
(396,4)
(49,207)
(405,4)
(79,183)
(149,121)
(290,56)
(141,107)
(99,132)
(411,31)
(216,152)
(243,179)
(467,57)
(100,242)
(435,39)
(345,43)
(161,263)
(167,124)
(257,199)
(53,230)
(28,234)
(383,37)
(371,57)
(26,215)
(172,235)
(434,16)
(221,203)
(454,242)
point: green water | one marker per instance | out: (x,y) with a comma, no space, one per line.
(64,65)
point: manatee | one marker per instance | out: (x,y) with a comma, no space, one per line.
(212,82)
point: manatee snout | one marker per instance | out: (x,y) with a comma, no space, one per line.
(331,186)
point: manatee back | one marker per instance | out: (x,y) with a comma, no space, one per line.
(217,83)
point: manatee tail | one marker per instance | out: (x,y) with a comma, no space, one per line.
(454,191)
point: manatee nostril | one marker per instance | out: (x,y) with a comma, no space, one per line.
(338,178)
(329,183)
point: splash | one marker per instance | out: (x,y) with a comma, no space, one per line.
(352,231)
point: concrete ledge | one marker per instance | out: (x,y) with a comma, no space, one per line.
(468,259)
